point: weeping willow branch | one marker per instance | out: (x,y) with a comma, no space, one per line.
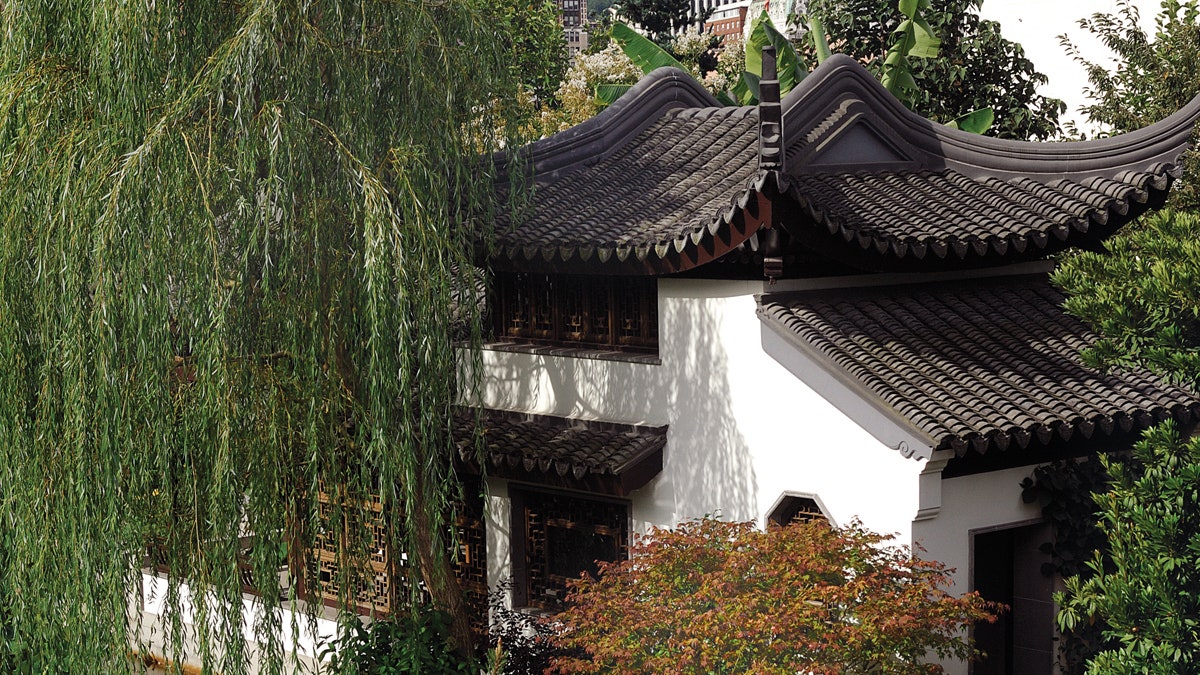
(233,243)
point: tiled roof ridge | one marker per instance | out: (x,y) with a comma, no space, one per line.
(667,254)
(841,77)
(665,181)
(980,364)
(644,104)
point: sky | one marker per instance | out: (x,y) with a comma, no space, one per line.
(1036,25)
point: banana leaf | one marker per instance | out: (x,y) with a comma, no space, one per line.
(609,93)
(787,61)
(643,52)
(975,122)
(746,90)
(816,30)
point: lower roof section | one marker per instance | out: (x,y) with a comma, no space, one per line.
(600,457)
(976,365)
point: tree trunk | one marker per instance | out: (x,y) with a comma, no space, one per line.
(436,571)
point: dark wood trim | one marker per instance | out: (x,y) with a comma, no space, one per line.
(523,294)
(521,559)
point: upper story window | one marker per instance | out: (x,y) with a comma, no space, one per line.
(618,313)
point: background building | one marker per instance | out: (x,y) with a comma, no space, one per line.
(573,16)
(728,19)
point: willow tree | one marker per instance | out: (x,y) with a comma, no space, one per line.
(231,236)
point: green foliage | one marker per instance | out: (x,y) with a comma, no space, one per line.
(538,45)
(518,643)
(660,18)
(913,38)
(598,9)
(788,66)
(974,122)
(642,51)
(820,42)
(1144,300)
(403,645)
(715,597)
(1154,76)
(1065,490)
(1150,598)
(976,67)
(1143,296)
(232,242)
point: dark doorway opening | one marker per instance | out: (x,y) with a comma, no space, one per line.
(1007,568)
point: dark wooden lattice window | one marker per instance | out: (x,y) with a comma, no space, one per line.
(605,312)
(792,507)
(556,537)
(386,580)
(373,590)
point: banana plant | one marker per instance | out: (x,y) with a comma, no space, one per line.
(913,39)
(975,122)
(644,53)
(789,68)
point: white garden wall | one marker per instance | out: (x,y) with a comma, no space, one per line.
(743,429)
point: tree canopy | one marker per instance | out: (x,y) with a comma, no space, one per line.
(976,67)
(232,242)
(714,597)
(1143,297)
(660,18)
(1155,75)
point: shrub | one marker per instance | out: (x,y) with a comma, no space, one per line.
(717,597)
(1147,593)
(518,643)
(402,644)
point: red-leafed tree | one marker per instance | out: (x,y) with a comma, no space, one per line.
(718,597)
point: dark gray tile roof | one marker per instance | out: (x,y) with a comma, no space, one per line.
(656,192)
(981,364)
(909,216)
(665,181)
(561,447)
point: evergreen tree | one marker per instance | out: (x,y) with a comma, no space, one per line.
(1143,298)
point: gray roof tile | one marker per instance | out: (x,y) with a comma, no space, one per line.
(665,181)
(977,364)
(558,446)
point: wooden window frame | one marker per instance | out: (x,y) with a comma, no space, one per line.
(534,308)
(522,499)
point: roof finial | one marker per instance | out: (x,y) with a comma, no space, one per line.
(770,114)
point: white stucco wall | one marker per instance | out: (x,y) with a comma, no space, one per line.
(969,504)
(743,429)
(303,641)
(976,502)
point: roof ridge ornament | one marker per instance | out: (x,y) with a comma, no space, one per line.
(770,115)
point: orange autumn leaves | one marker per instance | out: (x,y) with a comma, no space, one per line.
(716,597)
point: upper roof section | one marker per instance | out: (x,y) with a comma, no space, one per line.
(665,180)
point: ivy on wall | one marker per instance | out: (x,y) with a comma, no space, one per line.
(1064,490)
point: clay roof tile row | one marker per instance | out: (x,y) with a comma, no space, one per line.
(555,445)
(979,364)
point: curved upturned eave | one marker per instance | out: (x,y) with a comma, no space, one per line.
(731,227)
(874,252)
(975,155)
(596,138)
